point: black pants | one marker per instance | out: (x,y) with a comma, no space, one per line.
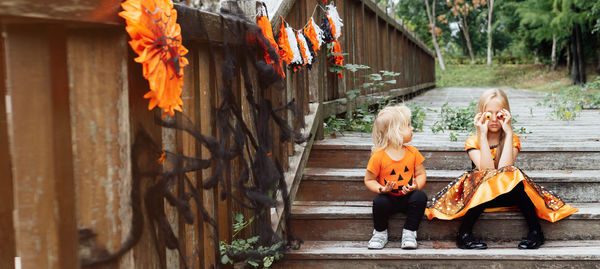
(385,205)
(516,196)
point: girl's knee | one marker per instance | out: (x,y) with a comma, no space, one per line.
(419,196)
(381,201)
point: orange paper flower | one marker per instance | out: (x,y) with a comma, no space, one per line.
(156,38)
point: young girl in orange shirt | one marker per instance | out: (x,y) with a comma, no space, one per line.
(496,183)
(396,173)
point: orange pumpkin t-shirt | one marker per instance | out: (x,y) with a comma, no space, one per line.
(401,171)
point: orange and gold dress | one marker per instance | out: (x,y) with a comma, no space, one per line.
(477,187)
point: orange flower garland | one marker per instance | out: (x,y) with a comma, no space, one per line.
(156,38)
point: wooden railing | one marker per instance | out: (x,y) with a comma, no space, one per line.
(73,105)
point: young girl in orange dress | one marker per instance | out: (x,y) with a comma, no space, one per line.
(396,173)
(496,183)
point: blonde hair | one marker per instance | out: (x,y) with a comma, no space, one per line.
(391,127)
(484,99)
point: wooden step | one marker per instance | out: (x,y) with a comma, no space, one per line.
(357,156)
(352,220)
(442,254)
(343,184)
(427,141)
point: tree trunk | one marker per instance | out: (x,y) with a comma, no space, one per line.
(489,48)
(465,30)
(578,72)
(569,55)
(553,67)
(431,17)
(598,46)
(536,59)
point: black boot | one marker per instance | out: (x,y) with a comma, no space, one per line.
(534,240)
(466,241)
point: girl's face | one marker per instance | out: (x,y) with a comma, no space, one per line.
(494,106)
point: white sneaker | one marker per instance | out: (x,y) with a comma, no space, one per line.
(409,239)
(378,240)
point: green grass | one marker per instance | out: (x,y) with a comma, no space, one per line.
(526,76)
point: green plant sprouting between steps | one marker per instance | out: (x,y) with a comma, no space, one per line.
(460,119)
(373,82)
(568,102)
(364,117)
(239,246)
(455,119)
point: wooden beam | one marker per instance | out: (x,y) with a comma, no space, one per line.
(94,11)
(282,11)
(338,106)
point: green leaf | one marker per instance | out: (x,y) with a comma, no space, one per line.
(225,260)
(253,263)
(239,217)
(253,239)
(268,261)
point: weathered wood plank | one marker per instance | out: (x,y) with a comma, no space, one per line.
(223,207)
(101,138)
(7,249)
(446,251)
(322,184)
(208,73)
(189,234)
(40,148)
(353,221)
(145,253)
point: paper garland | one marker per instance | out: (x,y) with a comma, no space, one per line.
(299,48)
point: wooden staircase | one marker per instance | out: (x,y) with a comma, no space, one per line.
(332,209)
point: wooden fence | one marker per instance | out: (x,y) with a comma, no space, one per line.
(73,103)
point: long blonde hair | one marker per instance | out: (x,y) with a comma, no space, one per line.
(485,98)
(391,127)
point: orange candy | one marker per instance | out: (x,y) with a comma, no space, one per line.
(488,115)
(500,116)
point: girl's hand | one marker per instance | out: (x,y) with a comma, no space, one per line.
(409,188)
(388,187)
(481,123)
(506,119)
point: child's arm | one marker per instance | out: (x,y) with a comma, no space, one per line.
(374,186)
(482,157)
(420,176)
(419,182)
(509,153)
